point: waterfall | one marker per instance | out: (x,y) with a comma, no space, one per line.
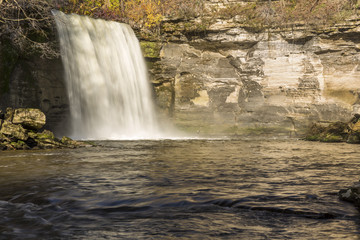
(106,76)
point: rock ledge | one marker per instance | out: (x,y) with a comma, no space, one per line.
(336,132)
(21,129)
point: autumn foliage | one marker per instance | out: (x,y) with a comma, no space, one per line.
(150,13)
(288,12)
(138,13)
(28,23)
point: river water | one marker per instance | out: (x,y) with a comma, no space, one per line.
(180,189)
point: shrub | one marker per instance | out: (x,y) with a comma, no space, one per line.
(138,13)
(287,12)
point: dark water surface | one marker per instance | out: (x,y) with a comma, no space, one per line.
(180,189)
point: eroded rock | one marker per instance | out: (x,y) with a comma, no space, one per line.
(336,132)
(29,118)
(14,131)
(351,194)
(233,77)
(19,130)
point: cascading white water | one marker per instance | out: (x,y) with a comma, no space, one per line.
(108,88)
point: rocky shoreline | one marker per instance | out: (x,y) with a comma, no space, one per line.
(336,132)
(348,132)
(22,129)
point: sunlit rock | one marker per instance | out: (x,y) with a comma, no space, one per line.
(29,118)
(232,77)
(336,132)
(13,131)
(13,136)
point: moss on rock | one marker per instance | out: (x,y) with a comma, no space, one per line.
(331,138)
(336,132)
(151,49)
(14,136)
(46,134)
(29,118)
(20,145)
(13,131)
(354,138)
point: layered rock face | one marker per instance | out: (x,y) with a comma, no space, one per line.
(229,79)
(33,82)
(221,78)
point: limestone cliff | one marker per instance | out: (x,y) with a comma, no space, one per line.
(233,79)
(219,75)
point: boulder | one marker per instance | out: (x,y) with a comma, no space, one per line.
(13,131)
(335,132)
(29,118)
(351,194)
(19,129)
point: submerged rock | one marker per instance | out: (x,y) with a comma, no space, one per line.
(351,194)
(19,130)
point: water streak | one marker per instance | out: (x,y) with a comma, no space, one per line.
(106,76)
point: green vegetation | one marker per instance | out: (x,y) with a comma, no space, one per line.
(46,134)
(284,13)
(332,138)
(150,49)
(150,14)
(354,138)
(138,13)
(335,132)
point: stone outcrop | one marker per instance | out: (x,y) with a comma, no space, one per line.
(19,129)
(336,132)
(12,130)
(351,194)
(229,78)
(29,117)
